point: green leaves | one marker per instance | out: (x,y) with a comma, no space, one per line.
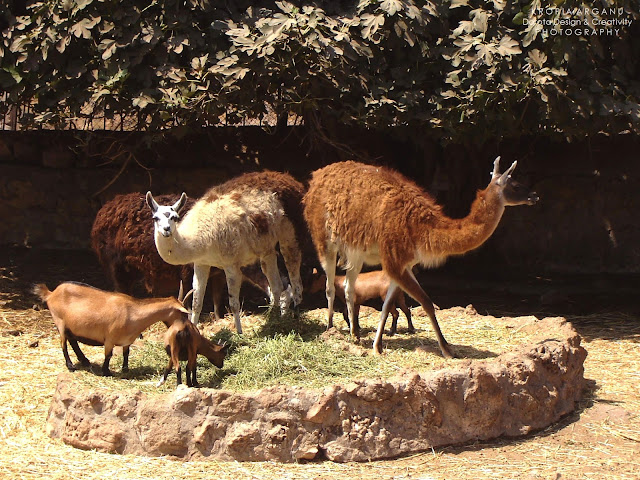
(465,69)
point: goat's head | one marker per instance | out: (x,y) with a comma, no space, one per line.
(165,217)
(513,193)
(216,353)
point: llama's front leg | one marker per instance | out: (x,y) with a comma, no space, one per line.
(234,281)
(350,298)
(329,266)
(386,306)
(200,278)
(269,266)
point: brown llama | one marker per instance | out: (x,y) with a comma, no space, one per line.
(373,215)
(122,239)
(233,225)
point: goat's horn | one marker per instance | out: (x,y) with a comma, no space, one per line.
(181,293)
(189,293)
(496,167)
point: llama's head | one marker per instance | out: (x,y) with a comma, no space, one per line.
(165,217)
(513,193)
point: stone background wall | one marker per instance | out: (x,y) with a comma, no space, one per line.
(53,183)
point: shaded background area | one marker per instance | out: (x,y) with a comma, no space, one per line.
(53,183)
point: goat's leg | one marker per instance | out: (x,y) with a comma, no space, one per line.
(407,313)
(407,281)
(84,361)
(65,352)
(178,374)
(166,373)
(350,296)
(192,364)
(108,353)
(329,266)
(394,323)
(234,281)
(125,358)
(200,278)
(269,266)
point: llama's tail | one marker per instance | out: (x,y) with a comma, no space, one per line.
(41,291)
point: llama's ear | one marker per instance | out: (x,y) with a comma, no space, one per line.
(179,205)
(153,205)
(507,174)
(496,168)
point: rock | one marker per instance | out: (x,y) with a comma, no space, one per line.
(511,395)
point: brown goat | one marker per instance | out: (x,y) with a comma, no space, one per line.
(94,317)
(122,238)
(373,215)
(368,286)
(183,341)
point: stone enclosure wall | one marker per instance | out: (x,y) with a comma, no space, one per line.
(53,183)
(511,395)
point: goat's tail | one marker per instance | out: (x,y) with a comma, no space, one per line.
(41,291)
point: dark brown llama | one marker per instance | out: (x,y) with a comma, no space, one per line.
(373,215)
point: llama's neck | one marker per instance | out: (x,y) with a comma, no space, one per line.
(457,236)
(176,249)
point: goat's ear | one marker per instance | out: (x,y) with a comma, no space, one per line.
(179,205)
(153,205)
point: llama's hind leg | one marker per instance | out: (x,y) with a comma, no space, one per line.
(292,260)
(234,281)
(200,279)
(386,307)
(409,284)
(328,263)
(350,297)
(269,266)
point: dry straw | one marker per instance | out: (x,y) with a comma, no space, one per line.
(600,441)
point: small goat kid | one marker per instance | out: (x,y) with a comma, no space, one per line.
(369,285)
(91,316)
(183,341)
(373,215)
(233,225)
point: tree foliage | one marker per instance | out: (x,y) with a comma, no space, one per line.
(459,69)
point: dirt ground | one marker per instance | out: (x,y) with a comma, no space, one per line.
(600,440)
